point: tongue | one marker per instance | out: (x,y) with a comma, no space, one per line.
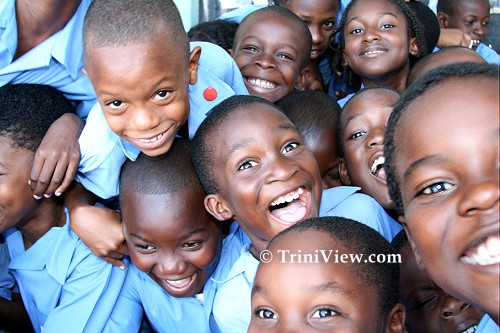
(293,212)
(381,173)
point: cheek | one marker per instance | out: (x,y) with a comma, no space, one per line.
(144,262)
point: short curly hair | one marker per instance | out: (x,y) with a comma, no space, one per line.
(28,110)
(431,80)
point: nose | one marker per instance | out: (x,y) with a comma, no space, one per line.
(265,60)
(144,119)
(170,265)
(452,307)
(317,36)
(479,29)
(376,137)
(481,197)
(281,169)
(370,35)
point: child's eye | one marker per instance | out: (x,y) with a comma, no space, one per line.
(145,247)
(289,147)
(387,26)
(356,31)
(265,314)
(191,245)
(115,104)
(250,48)
(284,56)
(329,24)
(422,302)
(247,165)
(485,24)
(469,22)
(436,188)
(356,135)
(162,94)
(322,313)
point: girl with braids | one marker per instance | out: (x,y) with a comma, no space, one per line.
(378,42)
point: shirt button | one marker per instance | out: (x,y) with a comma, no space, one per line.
(210,94)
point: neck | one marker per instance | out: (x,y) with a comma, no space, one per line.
(48,214)
(395,80)
(38,20)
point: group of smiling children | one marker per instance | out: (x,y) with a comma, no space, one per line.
(214,185)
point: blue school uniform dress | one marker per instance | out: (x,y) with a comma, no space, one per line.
(487,325)
(57,61)
(232,307)
(166,313)
(103,151)
(64,287)
(490,55)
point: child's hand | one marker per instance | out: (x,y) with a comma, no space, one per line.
(57,158)
(450,37)
(100,229)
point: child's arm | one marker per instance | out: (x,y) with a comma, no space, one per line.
(13,315)
(57,158)
(451,37)
(98,227)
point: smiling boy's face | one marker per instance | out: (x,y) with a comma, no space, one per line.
(268,179)
(312,297)
(364,122)
(271,63)
(172,238)
(143,91)
(446,165)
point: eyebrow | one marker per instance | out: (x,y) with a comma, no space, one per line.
(282,44)
(381,14)
(332,287)
(422,161)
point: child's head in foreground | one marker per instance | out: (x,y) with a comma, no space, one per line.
(315,114)
(271,49)
(137,57)
(446,56)
(255,168)
(441,150)
(317,290)
(470,16)
(360,133)
(26,113)
(428,308)
(320,17)
(169,234)
(378,40)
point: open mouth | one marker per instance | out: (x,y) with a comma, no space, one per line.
(154,139)
(377,168)
(373,52)
(471,329)
(260,83)
(181,283)
(485,254)
(291,207)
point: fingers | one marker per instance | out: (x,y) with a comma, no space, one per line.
(114,261)
(69,177)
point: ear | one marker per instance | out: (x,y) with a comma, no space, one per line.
(231,53)
(344,60)
(418,258)
(443,20)
(301,80)
(344,174)
(194,57)
(216,206)
(396,319)
(414,47)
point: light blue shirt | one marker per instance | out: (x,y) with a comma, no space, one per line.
(237,15)
(167,313)
(487,325)
(103,151)
(232,306)
(64,287)
(57,61)
(490,55)
(6,279)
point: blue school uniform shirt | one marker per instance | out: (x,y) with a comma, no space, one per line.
(64,287)
(166,313)
(103,151)
(487,325)
(232,306)
(490,55)
(6,279)
(56,62)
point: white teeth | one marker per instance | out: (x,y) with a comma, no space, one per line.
(177,282)
(289,197)
(487,253)
(261,83)
(374,52)
(156,138)
(471,329)
(379,161)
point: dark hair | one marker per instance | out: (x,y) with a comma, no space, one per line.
(28,110)
(428,22)
(220,32)
(414,30)
(399,241)
(203,151)
(432,79)
(125,22)
(279,11)
(162,174)
(286,2)
(358,238)
(310,111)
(340,128)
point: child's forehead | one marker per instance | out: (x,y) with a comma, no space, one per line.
(370,101)
(362,7)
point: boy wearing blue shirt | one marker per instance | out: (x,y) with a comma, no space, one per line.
(158,89)
(174,244)
(256,170)
(62,284)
